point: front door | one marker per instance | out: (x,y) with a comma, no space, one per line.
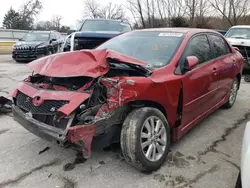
(199,84)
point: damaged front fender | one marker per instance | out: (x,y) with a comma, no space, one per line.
(82,135)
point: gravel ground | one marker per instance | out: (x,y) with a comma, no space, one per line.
(208,156)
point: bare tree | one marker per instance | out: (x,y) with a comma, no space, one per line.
(56,21)
(176,8)
(192,8)
(136,8)
(110,11)
(231,10)
(28,11)
(156,13)
(92,8)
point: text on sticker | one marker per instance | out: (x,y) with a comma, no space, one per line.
(170,34)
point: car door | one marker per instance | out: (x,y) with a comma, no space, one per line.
(54,43)
(60,41)
(224,65)
(199,84)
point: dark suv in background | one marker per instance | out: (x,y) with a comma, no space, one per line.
(37,44)
(94,32)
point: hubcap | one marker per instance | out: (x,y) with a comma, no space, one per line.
(153,138)
(233,92)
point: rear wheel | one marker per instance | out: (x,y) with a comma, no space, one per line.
(247,78)
(145,139)
(233,94)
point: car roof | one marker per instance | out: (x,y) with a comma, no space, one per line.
(184,30)
(99,19)
(241,26)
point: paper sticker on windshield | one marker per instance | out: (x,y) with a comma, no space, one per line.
(170,34)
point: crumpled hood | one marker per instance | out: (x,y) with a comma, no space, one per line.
(29,44)
(90,63)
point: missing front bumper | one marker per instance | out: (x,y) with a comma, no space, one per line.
(39,129)
(79,135)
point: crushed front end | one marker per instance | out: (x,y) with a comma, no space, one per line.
(74,110)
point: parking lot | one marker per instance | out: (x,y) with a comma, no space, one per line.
(208,156)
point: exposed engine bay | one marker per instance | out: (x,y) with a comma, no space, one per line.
(73,106)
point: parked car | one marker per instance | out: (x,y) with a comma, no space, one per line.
(238,37)
(223,32)
(142,88)
(36,44)
(244,174)
(94,32)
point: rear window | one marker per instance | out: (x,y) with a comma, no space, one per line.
(105,25)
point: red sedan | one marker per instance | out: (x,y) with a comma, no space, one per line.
(143,89)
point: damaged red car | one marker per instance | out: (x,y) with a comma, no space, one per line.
(143,89)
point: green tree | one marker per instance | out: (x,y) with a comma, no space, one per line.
(12,19)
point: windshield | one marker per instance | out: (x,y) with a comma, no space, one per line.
(36,37)
(154,48)
(105,25)
(240,33)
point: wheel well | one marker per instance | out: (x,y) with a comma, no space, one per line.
(146,103)
(238,76)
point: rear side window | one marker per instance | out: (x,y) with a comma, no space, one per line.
(219,45)
(199,47)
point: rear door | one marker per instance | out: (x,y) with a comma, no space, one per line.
(224,65)
(199,84)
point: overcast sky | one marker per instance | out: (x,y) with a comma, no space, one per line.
(70,10)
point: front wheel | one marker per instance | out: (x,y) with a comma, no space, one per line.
(145,139)
(233,94)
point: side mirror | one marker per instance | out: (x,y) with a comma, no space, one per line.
(190,63)
(52,40)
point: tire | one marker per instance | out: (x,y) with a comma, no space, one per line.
(23,61)
(50,52)
(233,94)
(238,182)
(133,128)
(247,78)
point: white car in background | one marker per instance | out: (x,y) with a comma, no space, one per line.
(239,37)
(243,180)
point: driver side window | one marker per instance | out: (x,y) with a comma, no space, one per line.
(199,47)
